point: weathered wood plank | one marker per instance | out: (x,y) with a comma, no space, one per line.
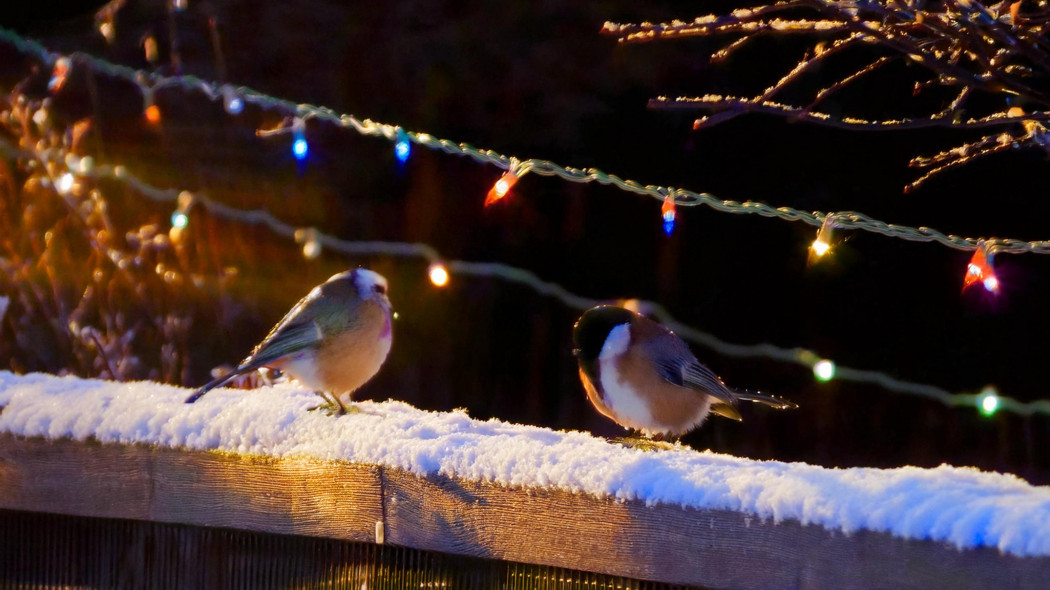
(717,549)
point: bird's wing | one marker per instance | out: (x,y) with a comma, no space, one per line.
(687,372)
(288,337)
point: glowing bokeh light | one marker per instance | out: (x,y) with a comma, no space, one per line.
(300,148)
(988,401)
(438,275)
(824,370)
(501,188)
(980,270)
(402,147)
(668,213)
(234,105)
(65,183)
(179,220)
(820,247)
(153,114)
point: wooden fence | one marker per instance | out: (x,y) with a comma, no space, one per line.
(551,527)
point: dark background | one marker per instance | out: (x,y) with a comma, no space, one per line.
(537,80)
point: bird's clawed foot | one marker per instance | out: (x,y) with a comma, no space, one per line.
(333,406)
(644,443)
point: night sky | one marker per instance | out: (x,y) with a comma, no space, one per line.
(537,80)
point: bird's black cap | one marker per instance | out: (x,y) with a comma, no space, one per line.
(590,331)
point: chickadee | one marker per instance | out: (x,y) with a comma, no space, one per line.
(643,377)
(333,341)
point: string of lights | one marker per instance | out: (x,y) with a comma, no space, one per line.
(69,168)
(234,98)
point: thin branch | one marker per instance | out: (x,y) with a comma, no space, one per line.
(739,105)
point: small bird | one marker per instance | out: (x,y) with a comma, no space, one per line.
(644,377)
(333,341)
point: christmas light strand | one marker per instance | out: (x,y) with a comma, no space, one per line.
(844,220)
(441,270)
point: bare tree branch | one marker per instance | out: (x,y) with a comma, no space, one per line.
(964,46)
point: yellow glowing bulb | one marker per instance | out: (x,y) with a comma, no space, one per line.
(820,247)
(107,30)
(438,275)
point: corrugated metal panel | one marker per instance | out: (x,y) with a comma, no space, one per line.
(52,551)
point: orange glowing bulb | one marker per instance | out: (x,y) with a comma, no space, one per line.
(438,275)
(153,114)
(980,270)
(501,188)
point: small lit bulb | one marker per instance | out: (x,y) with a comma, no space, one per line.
(231,102)
(820,247)
(312,248)
(149,46)
(438,274)
(822,244)
(402,147)
(824,370)
(668,213)
(178,5)
(153,114)
(58,74)
(107,30)
(988,401)
(65,183)
(980,269)
(502,187)
(179,220)
(300,148)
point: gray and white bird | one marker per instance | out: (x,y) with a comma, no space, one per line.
(643,376)
(333,340)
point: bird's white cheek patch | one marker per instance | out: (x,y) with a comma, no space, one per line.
(629,407)
(616,342)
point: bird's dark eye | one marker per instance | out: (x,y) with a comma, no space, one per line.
(381,289)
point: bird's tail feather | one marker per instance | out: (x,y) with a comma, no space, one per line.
(767,400)
(218,382)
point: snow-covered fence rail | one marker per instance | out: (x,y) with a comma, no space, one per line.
(445,482)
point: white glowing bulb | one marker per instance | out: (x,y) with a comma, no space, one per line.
(988,401)
(65,183)
(824,370)
(312,249)
(179,220)
(438,275)
(502,186)
(991,284)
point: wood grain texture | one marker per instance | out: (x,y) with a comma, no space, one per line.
(716,549)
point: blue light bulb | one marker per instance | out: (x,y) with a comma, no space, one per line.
(402,149)
(300,148)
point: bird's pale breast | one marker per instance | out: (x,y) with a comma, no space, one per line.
(669,408)
(349,359)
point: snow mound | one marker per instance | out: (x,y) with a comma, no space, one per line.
(962,506)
